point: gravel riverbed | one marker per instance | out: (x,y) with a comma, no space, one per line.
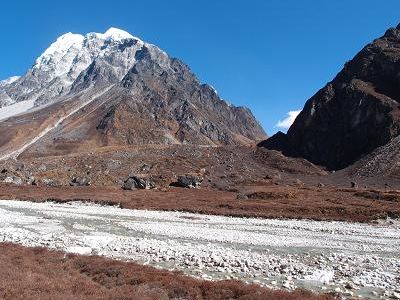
(356,260)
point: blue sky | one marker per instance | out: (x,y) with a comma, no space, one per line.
(269,55)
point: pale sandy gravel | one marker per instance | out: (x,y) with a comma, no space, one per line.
(311,254)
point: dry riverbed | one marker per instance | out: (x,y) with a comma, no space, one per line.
(351,258)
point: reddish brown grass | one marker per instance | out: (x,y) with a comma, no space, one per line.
(264,201)
(37,273)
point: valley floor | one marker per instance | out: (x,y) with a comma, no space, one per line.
(264,201)
(350,258)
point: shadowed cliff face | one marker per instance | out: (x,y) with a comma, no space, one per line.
(353,114)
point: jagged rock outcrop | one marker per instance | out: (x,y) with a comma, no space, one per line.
(189,181)
(353,114)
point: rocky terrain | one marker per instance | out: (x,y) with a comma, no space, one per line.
(353,114)
(351,259)
(221,167)
(382,162)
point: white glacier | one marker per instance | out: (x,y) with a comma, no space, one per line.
(15,109)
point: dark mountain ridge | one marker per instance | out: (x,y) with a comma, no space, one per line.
(358,111)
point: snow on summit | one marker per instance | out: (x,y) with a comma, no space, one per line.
(115,34)
(72,53)
(59,66)
(9,80)
(64,49)
(62,44)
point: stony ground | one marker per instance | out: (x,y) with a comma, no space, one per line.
(349,258)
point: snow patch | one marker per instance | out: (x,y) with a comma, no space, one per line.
(9,80)
(113,34)
(312,111)
(16,109)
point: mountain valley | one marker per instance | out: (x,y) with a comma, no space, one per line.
(110,147)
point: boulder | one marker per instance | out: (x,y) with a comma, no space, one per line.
(241,196)
(136,182)
(31,180)
(14,180)
(42,168)
(80,181)
(145,168)
(298,182)
(19,166)
(48,182)
(189,181)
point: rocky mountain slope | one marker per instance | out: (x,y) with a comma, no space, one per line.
(108,89)
(382,162)
(353,114)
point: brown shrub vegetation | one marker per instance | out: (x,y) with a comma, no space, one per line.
(37,273)
(264,201)
(391,196)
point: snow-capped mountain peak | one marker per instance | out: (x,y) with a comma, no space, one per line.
(117,34)
(68,62)
(61,46)
(69,44)
(109,89)
(72,53)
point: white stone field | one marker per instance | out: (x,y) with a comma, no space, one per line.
(351,258)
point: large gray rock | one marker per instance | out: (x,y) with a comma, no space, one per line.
(80,181)
(135,182)
(48,182)
(14,180)
(19,166)
(189,181)
(42,168)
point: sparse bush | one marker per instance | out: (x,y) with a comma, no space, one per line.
(36,273)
